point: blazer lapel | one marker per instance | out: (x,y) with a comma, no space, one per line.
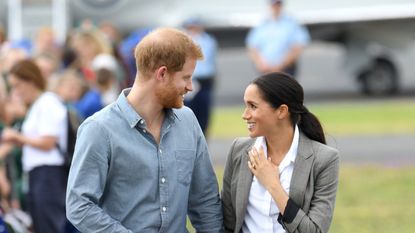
(302,168)
(243,188)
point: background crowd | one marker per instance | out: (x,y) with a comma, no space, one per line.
(85,74)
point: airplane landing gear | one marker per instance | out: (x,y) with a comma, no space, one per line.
(380,79)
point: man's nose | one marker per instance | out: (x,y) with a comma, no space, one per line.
(189,85)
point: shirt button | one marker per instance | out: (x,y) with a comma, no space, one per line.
(144,131)
(161,151)
(164,209)
(163,180)
(141,121)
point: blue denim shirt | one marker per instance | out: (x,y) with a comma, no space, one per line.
(121,180)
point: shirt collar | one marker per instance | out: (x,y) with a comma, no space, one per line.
(291,154)
(131,116)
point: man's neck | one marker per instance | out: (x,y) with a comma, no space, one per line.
(143,100)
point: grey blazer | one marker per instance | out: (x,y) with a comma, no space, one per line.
(313,186)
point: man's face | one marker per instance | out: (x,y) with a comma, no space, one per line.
(276,8)
(171,93)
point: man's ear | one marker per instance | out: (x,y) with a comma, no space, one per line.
(283,111)
(161,73)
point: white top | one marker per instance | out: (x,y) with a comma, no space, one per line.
(262,212)
(46,117)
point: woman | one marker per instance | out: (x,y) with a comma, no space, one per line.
(284,178)
(43,129)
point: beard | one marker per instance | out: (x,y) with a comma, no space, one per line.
(170,97)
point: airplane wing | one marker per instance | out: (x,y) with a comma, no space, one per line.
(332,24)
(356,14)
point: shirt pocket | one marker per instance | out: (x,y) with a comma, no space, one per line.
(184,165)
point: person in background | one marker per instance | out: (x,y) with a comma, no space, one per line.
(45,41)
(3,37)
(145,154)
(126,49)
(89,45)
(43,129)
(200,100)
(8,58)
(284,177)
(75,91)
(12,113)
(106,84)
(276,44)
(113,34)
(5,149)
(107,69)
(49,66)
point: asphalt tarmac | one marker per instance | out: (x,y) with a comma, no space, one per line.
(388,150)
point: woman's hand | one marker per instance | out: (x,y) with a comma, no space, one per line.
(263,169)
(12,136)
(268,175)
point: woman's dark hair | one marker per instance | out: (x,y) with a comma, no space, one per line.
(28,71)
(280,88)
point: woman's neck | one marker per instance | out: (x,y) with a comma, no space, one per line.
(35,95)
(279,143)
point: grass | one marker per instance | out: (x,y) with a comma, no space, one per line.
(337,119)
(375,199)
(372,199)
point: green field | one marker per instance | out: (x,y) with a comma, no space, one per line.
(372,199)
(375,199)
(338,119)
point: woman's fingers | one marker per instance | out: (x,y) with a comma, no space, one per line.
(251,166)
(253,158)
(261,154)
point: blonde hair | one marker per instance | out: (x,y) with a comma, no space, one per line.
(94,37)
(165,47)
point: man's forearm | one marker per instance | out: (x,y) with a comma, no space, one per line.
(88,217)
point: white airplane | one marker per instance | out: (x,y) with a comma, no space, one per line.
(378,35)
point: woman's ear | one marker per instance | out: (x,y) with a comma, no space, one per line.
(283,111)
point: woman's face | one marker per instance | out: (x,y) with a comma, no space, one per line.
(85,48)
(23,89)
(260,116)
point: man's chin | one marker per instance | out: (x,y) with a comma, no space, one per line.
(176,105)
(179,105)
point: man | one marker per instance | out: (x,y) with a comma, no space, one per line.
(200,100)
(276,44)
(142,163)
